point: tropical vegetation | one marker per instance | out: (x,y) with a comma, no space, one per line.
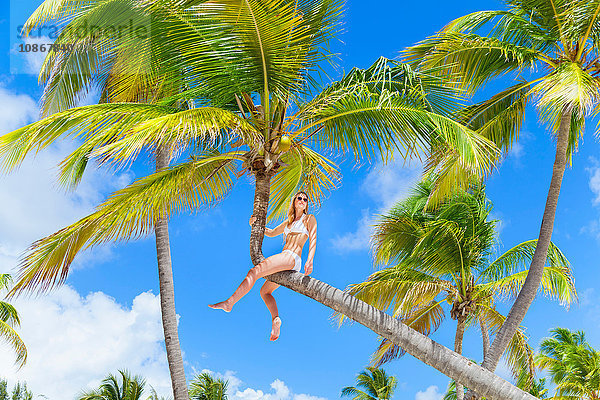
(552,46)
(122,386)
(372,384)
(9,320)
(18,392)
(441,260)
(206,387)
(572,364)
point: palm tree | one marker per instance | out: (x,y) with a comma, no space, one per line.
(442,261)
(121,387)
(247,77)
(573,365)
(9,320)
(114,66)
(552,45)
(19,391)
(205,387)
(376,384)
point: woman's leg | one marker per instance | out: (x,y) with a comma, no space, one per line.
(266,292)
(276,263)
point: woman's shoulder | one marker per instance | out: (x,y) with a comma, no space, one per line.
(310,218)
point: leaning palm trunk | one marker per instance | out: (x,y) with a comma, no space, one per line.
(446,361)
(536,269)
(418,345)
(167,297)
(458,344)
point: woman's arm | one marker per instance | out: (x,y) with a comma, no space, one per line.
(312,238)
(270,232)
(278,230)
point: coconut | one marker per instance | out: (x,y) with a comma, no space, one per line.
(285,143)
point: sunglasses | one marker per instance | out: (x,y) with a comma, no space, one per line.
(304,199)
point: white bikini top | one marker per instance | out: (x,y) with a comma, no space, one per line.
(297,227)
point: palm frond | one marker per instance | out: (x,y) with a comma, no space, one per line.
(568,88)
(476,59)
(509,26)
(9,314)
(556,283)
(303,169)
(499,118)
(85,122)
(401,288)
(205,127)
(519,257)
(129,213)
(12,338)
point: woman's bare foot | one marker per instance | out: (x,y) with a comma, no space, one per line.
(275,329)
(223,305)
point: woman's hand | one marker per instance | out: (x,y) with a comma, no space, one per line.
(252,219)
(308,267)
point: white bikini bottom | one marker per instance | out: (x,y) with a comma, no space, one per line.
(297,260)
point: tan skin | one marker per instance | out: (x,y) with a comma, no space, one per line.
(278,262)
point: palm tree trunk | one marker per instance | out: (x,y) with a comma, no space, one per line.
(167,297)
(443,359)
(485,336)
(261,204)
(458,344)
(536,269)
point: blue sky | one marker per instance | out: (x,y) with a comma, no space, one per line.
(107,317)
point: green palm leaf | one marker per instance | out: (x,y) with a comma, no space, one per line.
(206,127)
(9,319)
(303,169)
(474,58)
(129,213)
(86,122)
(518,257)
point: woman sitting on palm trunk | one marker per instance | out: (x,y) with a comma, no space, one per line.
(298,227)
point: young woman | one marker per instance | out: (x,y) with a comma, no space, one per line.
(298,227)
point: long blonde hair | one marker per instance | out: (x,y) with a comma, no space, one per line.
(292,210)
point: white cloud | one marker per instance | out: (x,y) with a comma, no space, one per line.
(594,181)
(32,204)
(431,393)
(385,185)
(73,342)
(30,61)
(279,390)
(16,110)
(590,304)
(593,226)
(35,59)
(517,151)
(358,240)
(587,297)
(307,397)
